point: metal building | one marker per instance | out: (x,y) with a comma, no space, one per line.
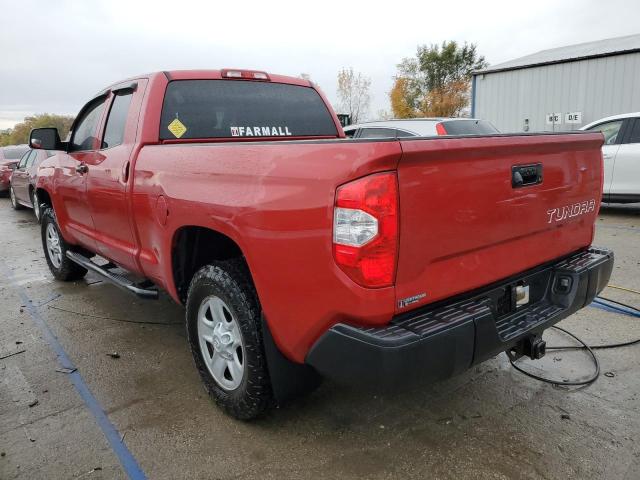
(562,88)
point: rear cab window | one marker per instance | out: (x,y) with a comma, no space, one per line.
(203,109)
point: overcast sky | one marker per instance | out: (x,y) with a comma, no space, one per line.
(56,54)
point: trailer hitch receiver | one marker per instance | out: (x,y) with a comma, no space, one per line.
(532,346)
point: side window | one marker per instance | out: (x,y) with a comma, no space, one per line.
(25,159)
(114,131)
(84,132)
(634,135)
(378,133)
(402,133)
(610,131)
(32,158)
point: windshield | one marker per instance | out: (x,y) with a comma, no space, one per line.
(469,127)
(13,153)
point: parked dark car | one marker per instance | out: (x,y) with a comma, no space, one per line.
(9,158)
(23,180)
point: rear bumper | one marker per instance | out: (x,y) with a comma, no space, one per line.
(442,340)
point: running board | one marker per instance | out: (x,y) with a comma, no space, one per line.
(114,278)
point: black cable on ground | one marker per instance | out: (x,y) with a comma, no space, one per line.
(566,383)
(583,346)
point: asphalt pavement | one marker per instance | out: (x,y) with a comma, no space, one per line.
(95,383)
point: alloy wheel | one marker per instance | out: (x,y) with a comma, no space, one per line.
(221,343)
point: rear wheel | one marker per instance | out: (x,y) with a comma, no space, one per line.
(14,200)
(223,327)
(55,250)
(36,206)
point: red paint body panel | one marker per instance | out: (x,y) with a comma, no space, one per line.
(276,202)
(461,223)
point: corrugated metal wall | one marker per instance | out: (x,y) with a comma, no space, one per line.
(596,87)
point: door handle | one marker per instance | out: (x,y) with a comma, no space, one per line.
(523,175)
(82,168)
(125,172)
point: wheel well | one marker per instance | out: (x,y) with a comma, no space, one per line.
(43,197)
(195,247)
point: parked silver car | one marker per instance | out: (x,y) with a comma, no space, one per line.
(621,152)
(420,127)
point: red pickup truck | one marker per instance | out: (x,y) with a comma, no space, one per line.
(300,254)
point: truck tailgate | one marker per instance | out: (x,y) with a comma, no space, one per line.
(466,223)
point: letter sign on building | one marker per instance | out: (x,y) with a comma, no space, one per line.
(573,117)
(554,118)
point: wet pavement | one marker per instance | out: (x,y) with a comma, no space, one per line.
(143,412)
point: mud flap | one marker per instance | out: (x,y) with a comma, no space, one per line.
(289,380)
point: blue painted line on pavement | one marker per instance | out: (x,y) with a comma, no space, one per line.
(608,307)
(127,460)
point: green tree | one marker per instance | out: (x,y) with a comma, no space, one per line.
(436,82)
(20,132)
(5,137)
(353,93)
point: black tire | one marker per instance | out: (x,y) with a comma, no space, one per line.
(14,201)
(37,210)
(230,281)
(66,271)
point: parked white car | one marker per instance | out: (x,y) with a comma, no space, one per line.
(621,152)
(420,127)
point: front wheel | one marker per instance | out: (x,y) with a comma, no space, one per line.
(55,250)
(223,327)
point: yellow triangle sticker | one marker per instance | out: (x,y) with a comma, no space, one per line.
(177,128)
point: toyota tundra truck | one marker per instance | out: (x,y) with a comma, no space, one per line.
(300,254)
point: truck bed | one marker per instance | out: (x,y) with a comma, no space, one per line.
(462,224)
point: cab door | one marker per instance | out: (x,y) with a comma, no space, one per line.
(73,208)
(19,177)
(625,185)
(109,176)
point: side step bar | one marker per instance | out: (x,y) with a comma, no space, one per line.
(114,278)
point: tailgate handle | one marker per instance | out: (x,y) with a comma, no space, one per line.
(523,175)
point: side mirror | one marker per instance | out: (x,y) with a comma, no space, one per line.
(45,139)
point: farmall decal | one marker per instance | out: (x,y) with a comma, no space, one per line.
(260,132)
(569,211)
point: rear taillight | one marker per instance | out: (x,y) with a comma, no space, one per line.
(440,130)
(365,229)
